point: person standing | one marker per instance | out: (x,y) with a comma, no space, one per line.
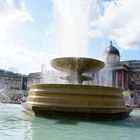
(126,94)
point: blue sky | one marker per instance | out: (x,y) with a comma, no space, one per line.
(32,32)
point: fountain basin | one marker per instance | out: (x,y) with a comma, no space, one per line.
(77,65)
(84,101)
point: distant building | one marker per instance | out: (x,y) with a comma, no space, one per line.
(47,77)
(120,74)
(11,80)
(33,78)
(12,86)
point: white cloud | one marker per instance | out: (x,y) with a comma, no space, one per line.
(21,59)
(14,56)
(70,28)
(13,12)
(120,22)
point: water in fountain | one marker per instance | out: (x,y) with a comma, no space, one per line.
(70,70)
(69,33)
(70,28)
(51,77)
(4,96)
(77,69)
(104,77)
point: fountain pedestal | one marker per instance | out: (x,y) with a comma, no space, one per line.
(84,101)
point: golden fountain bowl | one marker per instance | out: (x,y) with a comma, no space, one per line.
(84,101)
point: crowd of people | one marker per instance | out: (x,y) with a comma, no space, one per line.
(13,99)
(18,100)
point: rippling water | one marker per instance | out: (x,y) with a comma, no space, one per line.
(15,124)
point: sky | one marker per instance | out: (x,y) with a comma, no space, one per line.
(32,32)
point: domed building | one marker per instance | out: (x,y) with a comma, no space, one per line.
(112,54)
(121,74)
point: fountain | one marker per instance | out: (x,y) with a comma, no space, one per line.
(75,99)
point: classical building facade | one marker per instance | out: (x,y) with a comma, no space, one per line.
(11,80)
(12,86)
(120,74)
(33,78)
(47,77)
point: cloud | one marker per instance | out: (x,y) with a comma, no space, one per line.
(119,22)
(21,59)
(70,28)
(13,12)
(14,56)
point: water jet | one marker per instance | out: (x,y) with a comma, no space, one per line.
(75,99)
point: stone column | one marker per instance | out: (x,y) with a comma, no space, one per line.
(122,79)
(116,79)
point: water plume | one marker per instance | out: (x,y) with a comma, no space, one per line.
(68,35)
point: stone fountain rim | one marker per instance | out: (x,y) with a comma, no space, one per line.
(43,86)
(87,58)
(90,64)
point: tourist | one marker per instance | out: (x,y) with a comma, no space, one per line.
(127,97)
(23,98)
(131,99)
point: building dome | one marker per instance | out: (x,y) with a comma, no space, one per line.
(112,50)
(112,54)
